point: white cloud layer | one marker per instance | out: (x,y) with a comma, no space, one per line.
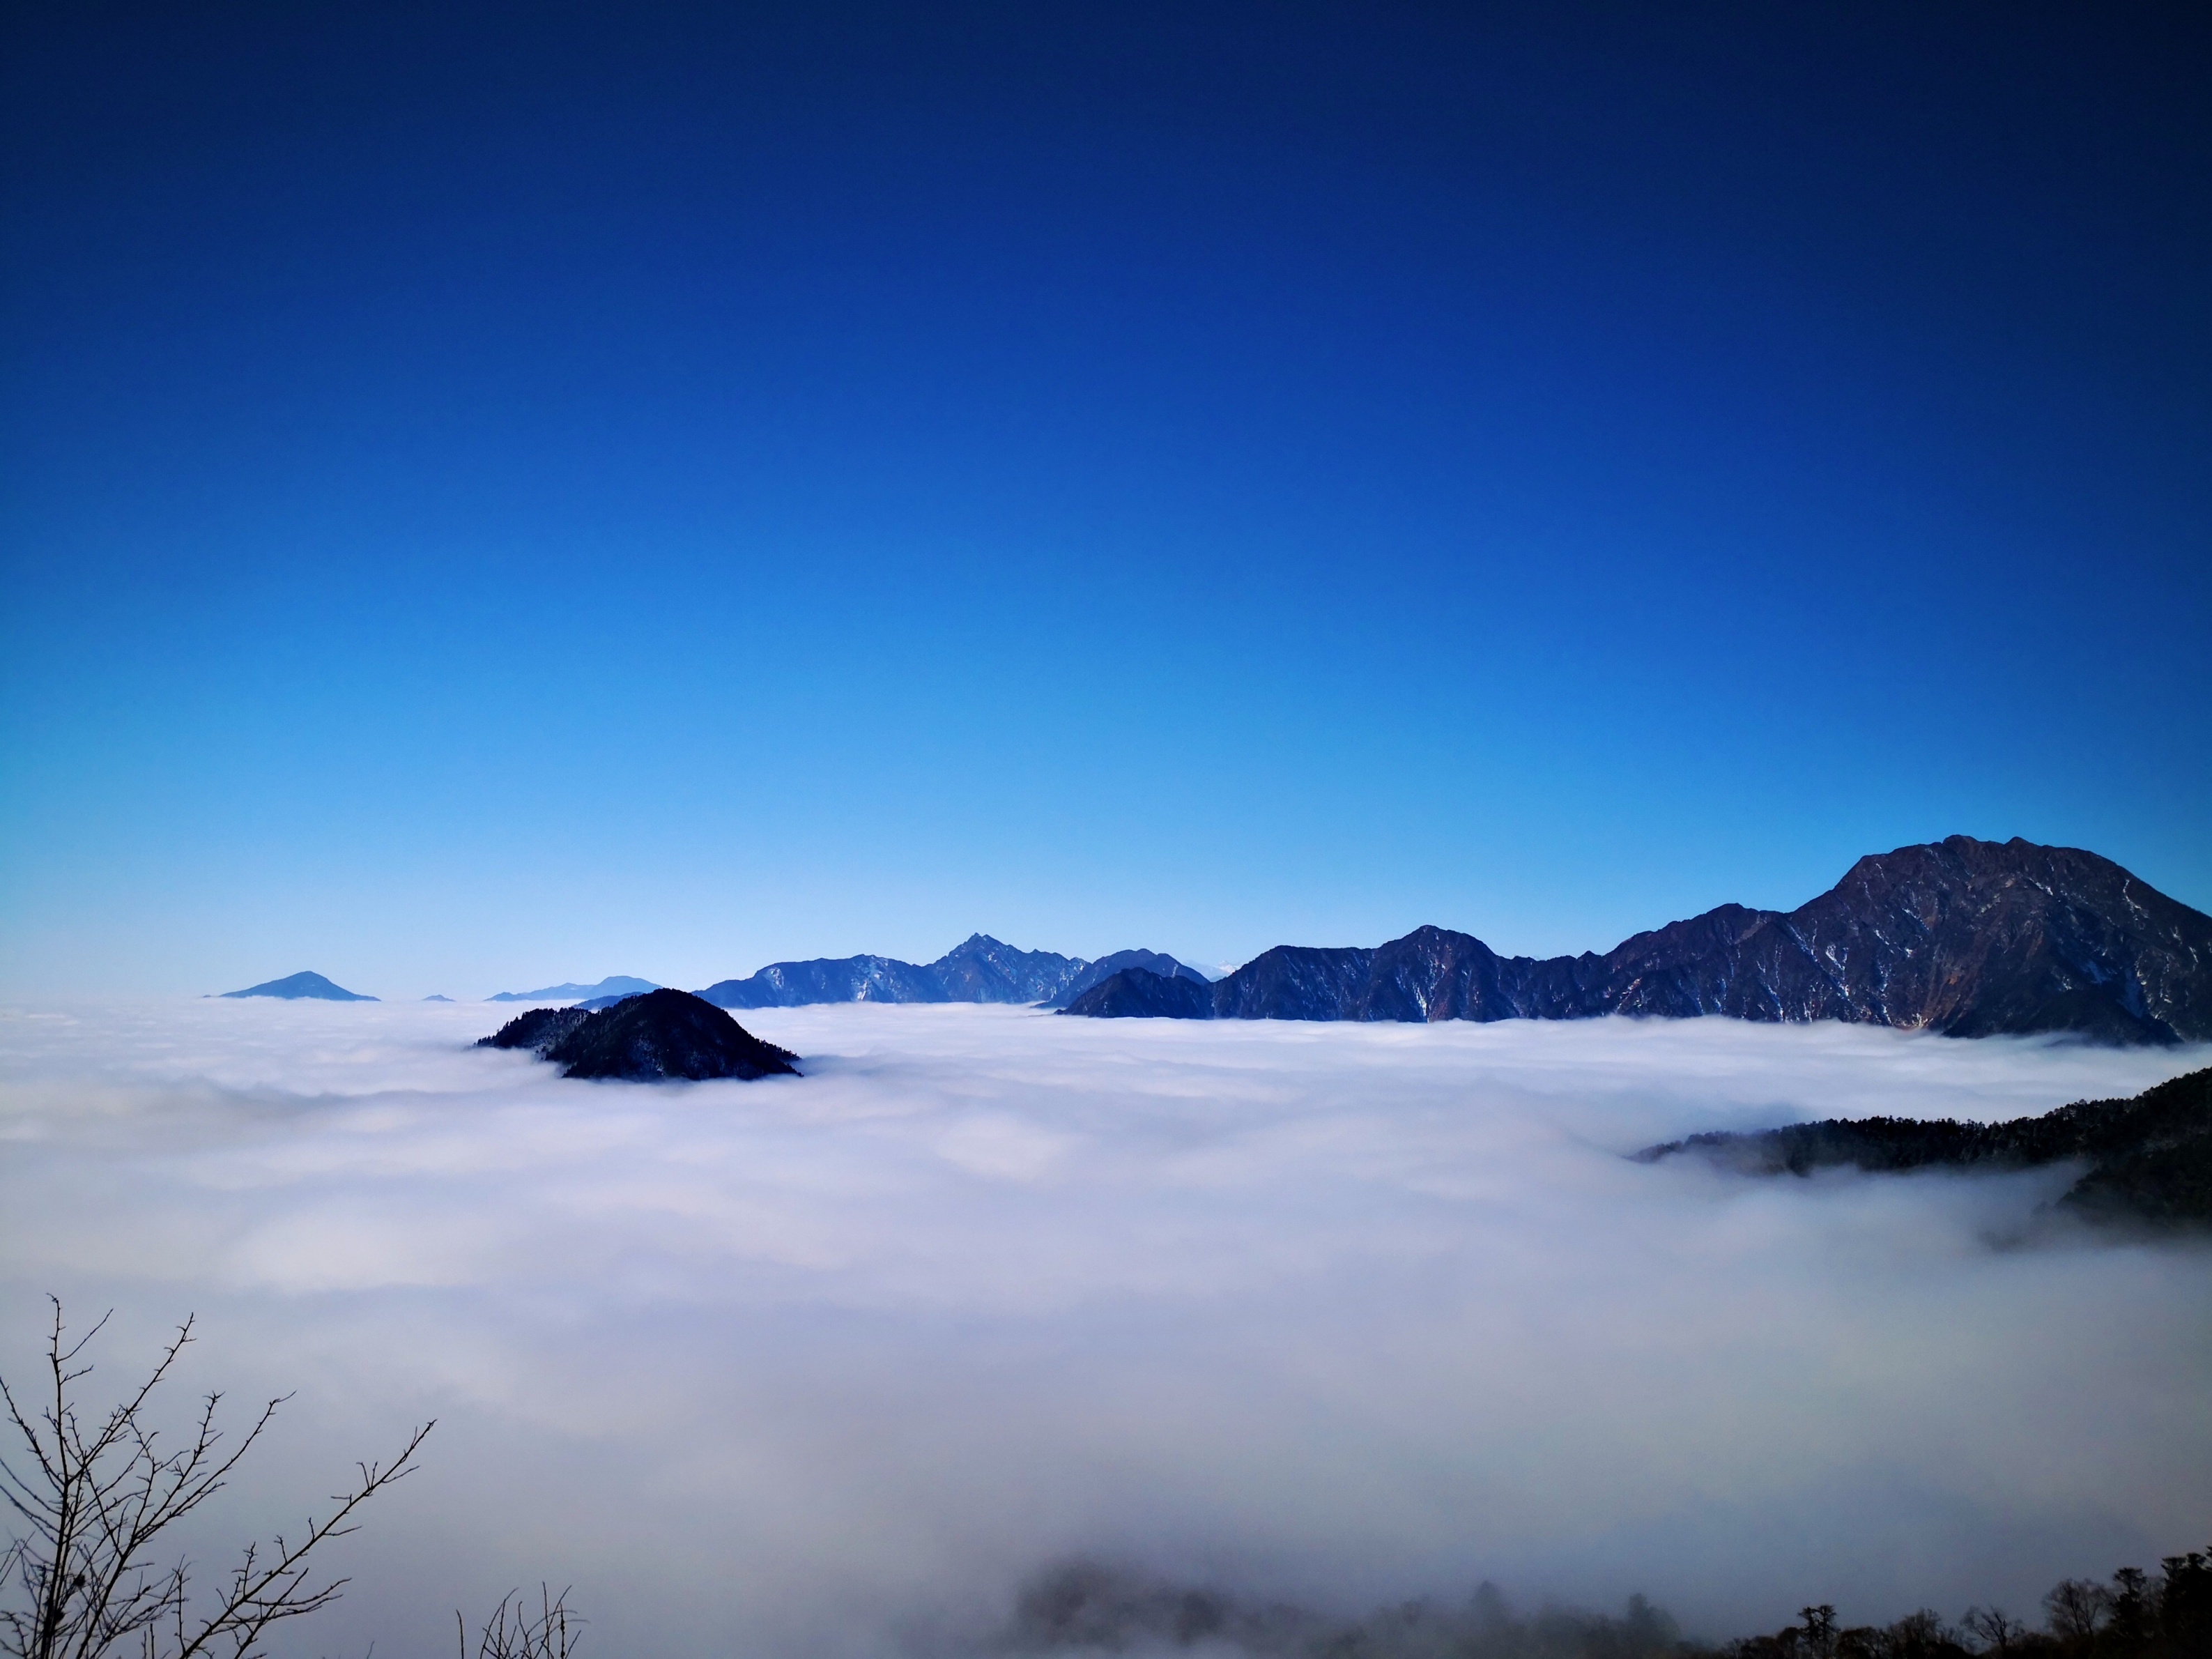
(1340,1313)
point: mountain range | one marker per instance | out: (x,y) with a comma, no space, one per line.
(1964,937)
(978,970)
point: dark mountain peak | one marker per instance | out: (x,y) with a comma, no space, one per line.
(1974,938)
(295,986)
(1140,993)
(1725,924)
(1961,867)
(1295,982)
(649,1037)
(1104,967)
(980,969)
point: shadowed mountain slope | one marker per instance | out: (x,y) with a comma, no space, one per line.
(1968,938)
(1105,968)
(649,1038)
(1140,993)
(295,986)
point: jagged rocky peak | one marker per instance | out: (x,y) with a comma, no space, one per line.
(653,1037)
(1976,938)
(980,969)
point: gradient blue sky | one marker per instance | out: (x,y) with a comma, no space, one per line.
(493,494)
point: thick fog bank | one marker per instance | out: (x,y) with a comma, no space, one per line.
(1333,1313)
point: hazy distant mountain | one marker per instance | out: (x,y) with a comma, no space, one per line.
(978,970)
(653,1037)
(434,997)
(1969,938)
(302,984)
(615,985)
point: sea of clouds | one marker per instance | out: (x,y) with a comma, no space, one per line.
(1341,1314)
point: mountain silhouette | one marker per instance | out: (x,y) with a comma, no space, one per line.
(295,986)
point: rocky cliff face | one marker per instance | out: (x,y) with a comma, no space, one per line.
(1969,938)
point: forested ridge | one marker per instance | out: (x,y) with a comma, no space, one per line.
(2150,1157)
(1086,1607)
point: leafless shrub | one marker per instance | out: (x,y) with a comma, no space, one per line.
(512,1632)
(91,1496)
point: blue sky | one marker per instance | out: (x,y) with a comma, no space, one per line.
(492,495)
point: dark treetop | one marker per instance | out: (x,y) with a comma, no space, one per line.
(1968,938)
(981,969)
(2149,1157)
(302,984)
(659,1036)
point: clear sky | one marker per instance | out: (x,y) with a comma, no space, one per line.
(499,494)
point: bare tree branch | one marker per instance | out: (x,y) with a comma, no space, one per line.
(92,1502)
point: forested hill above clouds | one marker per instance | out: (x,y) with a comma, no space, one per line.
(1965,937)
(978,969)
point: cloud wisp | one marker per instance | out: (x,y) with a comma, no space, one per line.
(1338,1314)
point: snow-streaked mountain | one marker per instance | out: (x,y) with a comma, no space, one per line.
(980,968)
